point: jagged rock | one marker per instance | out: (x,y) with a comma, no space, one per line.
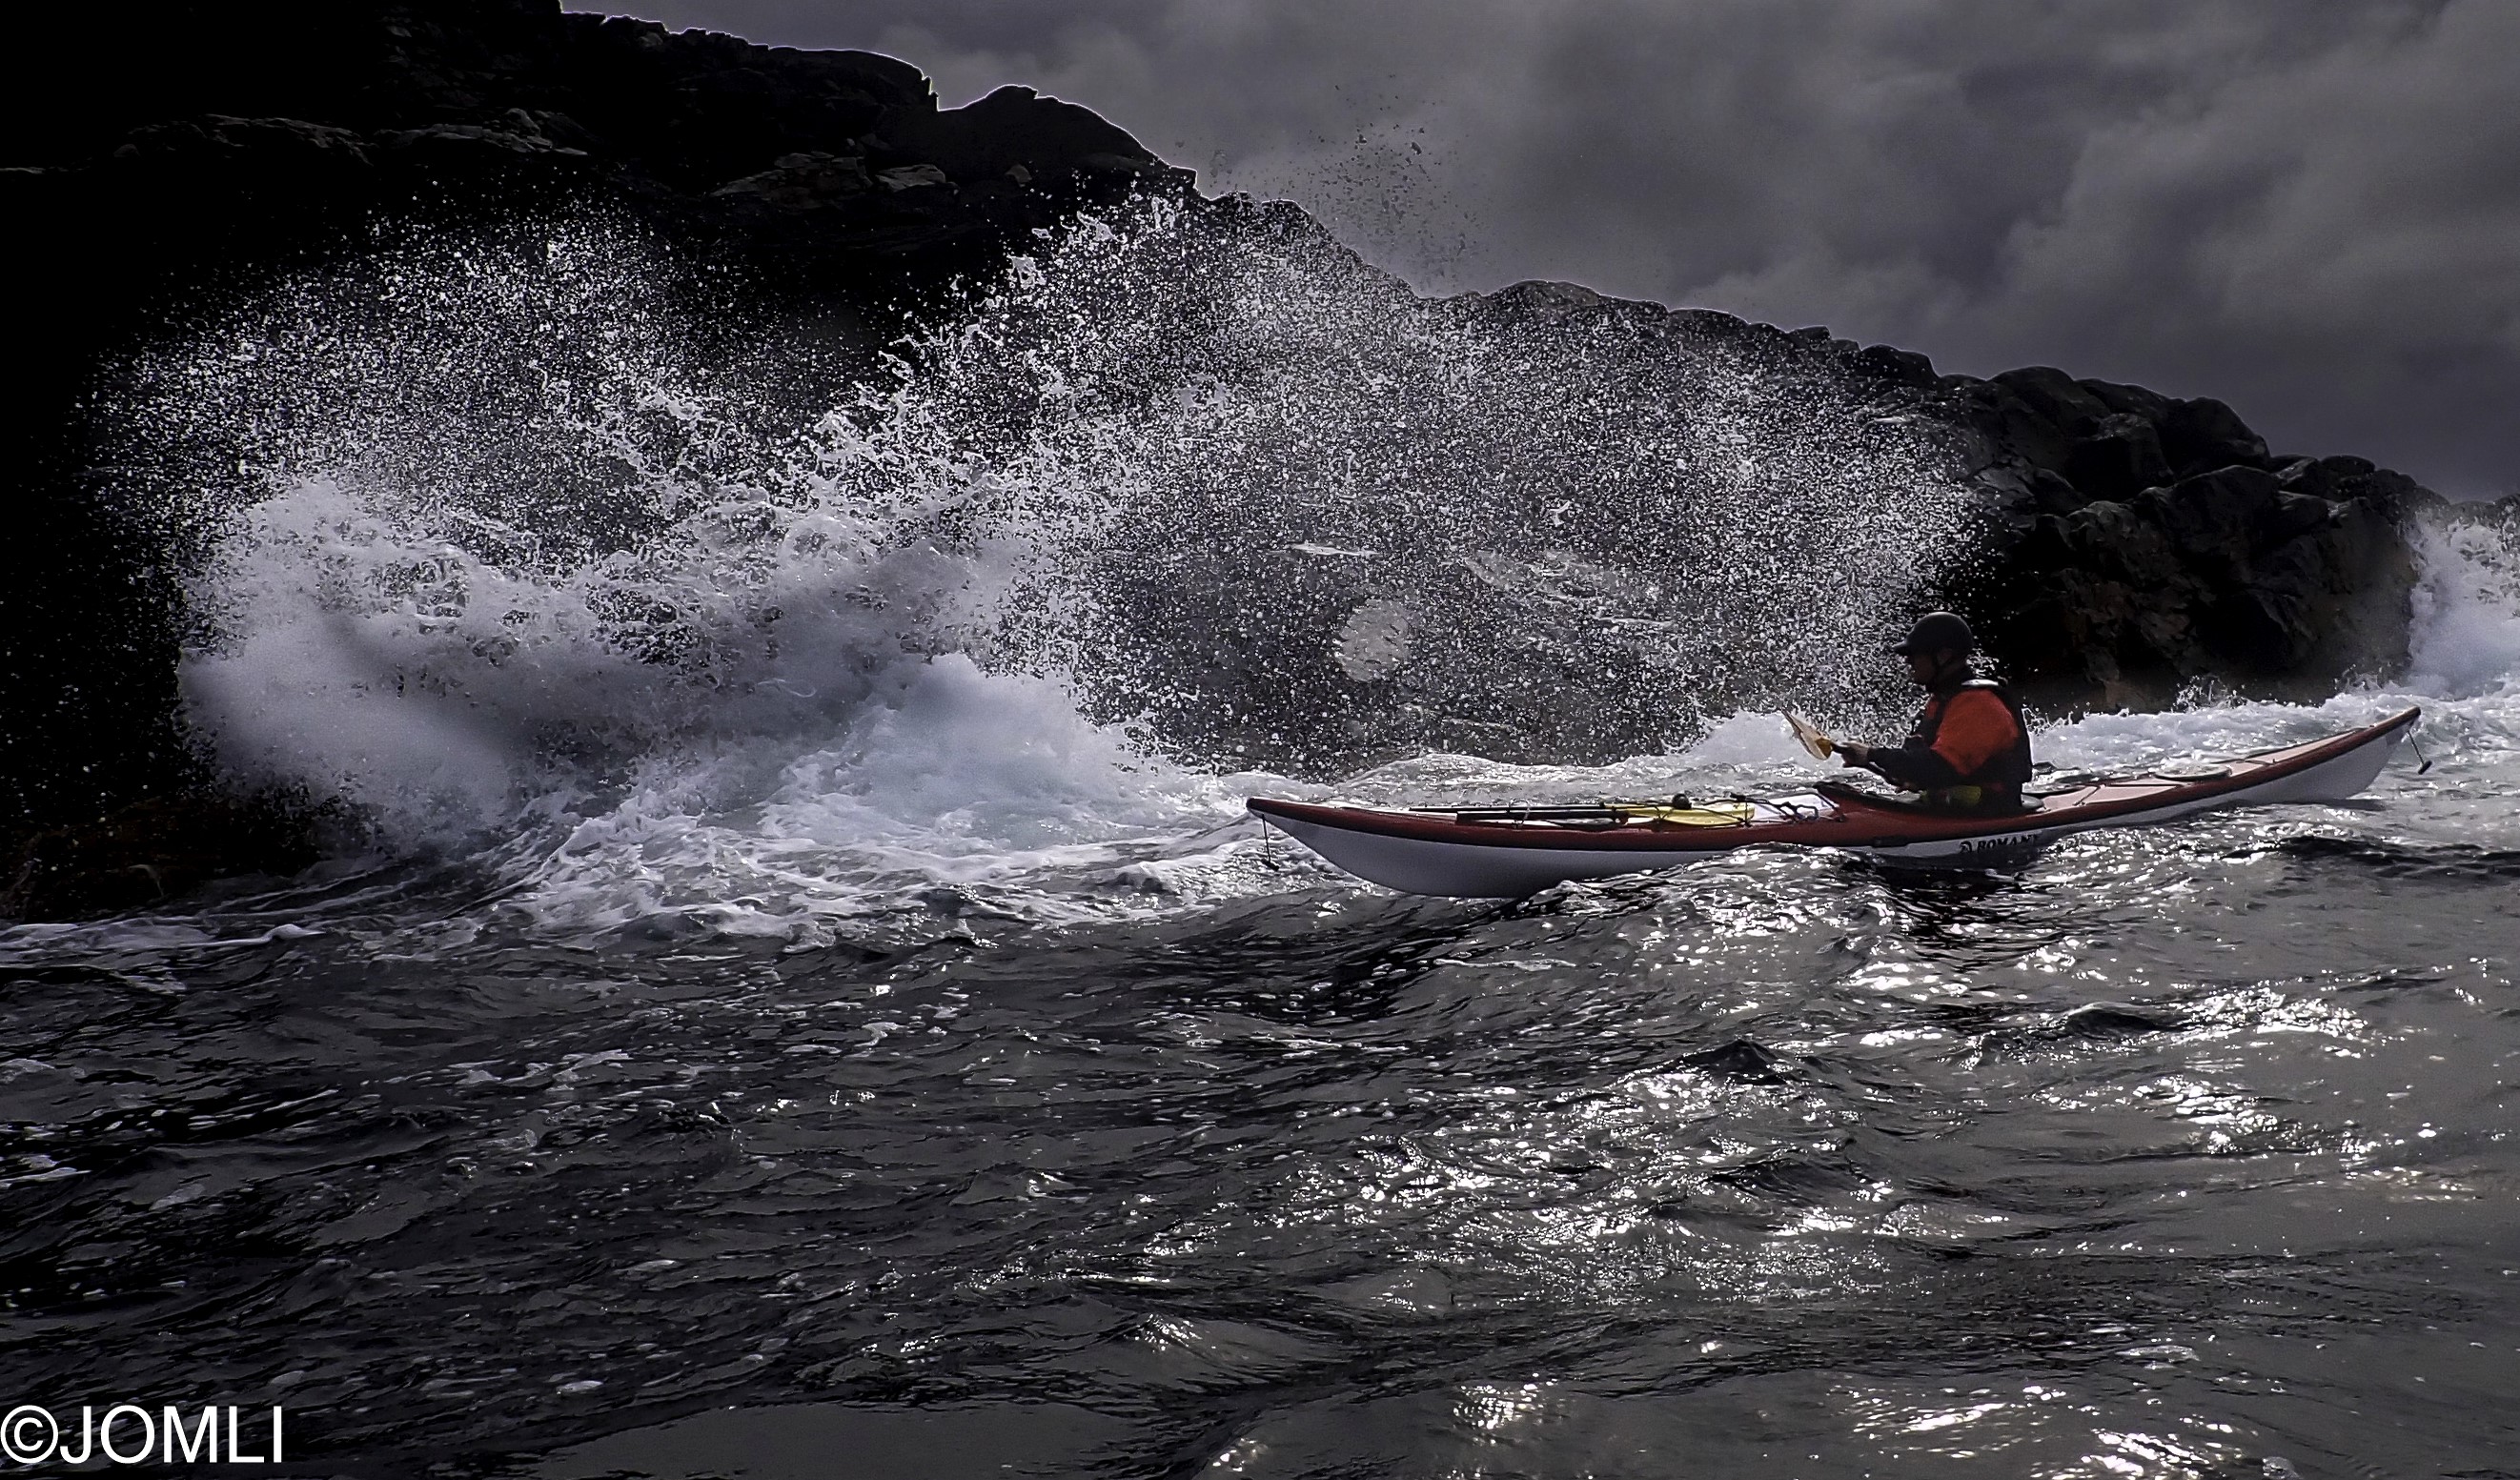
(2119,457)
(2342,479)
(2136,401)
(2232,575)
(2140,544)
(1546,302)
(1900,367)
(1015,127)
(215,139)
(912,177)
(152,851)
(518,133)
(2041,413)
(2203,434)
(800,181)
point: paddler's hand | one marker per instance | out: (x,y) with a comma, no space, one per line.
(1854,753)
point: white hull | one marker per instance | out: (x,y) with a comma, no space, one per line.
(1417,856)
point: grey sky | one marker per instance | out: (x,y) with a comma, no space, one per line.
(2310,209)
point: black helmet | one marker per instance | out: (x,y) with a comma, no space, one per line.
(1937,630)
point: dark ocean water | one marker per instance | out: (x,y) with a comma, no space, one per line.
(808,1002)
(2186,1153)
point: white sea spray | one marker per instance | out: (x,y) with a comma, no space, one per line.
(483,540)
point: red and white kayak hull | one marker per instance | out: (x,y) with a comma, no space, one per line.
(1418,853)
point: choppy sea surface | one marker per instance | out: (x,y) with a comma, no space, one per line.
(878,1049)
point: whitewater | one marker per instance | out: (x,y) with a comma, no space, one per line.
(795,975)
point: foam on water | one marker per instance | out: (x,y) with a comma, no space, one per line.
(2467,609)
(953,790)
(483,543)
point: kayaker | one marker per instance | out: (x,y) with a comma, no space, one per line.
(1971,750)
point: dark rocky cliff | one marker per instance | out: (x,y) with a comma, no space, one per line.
(2142,544)
(159,159)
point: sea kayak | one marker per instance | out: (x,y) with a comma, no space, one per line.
(1505,852)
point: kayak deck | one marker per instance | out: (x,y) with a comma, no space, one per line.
(1505,851)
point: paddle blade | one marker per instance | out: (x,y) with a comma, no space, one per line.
(1820,746)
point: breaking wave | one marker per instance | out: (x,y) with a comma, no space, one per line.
(500,547)
(494,538)
(2465,639)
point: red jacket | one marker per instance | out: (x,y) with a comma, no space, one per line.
(1971,735)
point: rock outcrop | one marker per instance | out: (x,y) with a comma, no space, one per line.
(2140,545)
(158,849)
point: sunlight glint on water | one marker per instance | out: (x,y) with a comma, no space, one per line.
(815,994)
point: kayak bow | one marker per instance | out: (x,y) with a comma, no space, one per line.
(1501,852)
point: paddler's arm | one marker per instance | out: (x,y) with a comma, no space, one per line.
(1860,757)
(1975,729)
(1908,770)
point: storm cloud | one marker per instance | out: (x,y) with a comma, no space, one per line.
(2309,211)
